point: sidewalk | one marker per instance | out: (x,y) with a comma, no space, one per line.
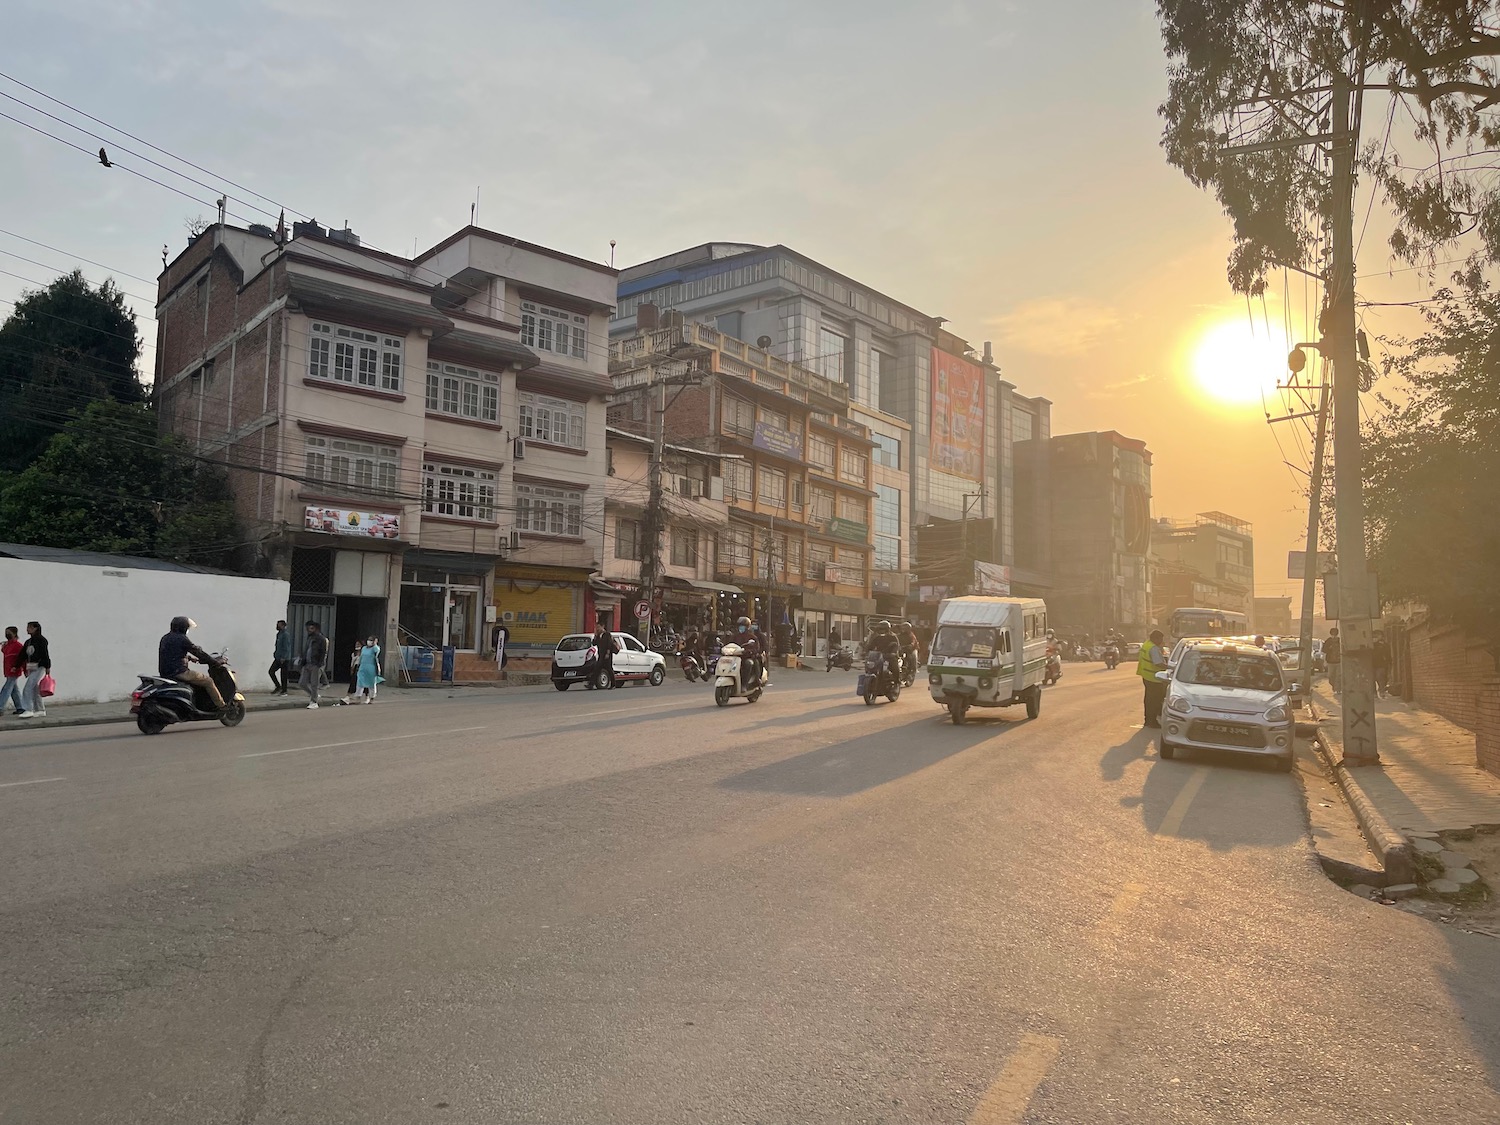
(118,711)
(1428,781)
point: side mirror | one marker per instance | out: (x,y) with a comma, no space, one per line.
(1295,688)
(1164,677)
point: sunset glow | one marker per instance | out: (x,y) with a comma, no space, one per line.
(1236,365)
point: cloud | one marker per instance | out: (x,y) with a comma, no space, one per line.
(1058,326)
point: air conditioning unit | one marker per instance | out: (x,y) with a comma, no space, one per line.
(687,486)
(520,449)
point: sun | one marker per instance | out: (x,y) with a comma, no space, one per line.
(1236,365)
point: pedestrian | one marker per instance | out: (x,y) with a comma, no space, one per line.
(314,654)
(281,658)
(37,662)
(1153,659)
(13,669)
(369,669)
(354,657)
(1380,658)
(1333,656)
(605,646)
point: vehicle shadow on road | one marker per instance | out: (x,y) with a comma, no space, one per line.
(845,768)
(1240,802)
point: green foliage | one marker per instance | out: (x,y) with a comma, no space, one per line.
(62,348)
(1247,71)
(1433,463)
(109,482)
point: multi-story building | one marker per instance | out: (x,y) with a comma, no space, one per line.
(1218,550)
(1100,512)
(693,517)
(962,416)
(1273,617)
(797,545)
(890,478)
(417,445)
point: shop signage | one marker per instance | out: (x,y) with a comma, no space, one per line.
(832,573)
(773,439)
(538,616)
(352,521)
(991,579)
(851,531)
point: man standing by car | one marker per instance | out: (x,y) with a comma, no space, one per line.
(1333,656)
(314,655)
(604,646)
(1153,659)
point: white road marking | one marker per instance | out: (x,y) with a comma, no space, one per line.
(360,742)
(1008,1097)
(33,781)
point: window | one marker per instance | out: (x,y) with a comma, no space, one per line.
(852,509)
(818,556)
(880,363)
(854,466)
(734,547)
(793,558)
(353,464)
(852,567)
(830,362)
(799,494)
(1021,426)
(464,393)
(628,540)
(354,356)
(549,511)
(774,418)
(772,487)
(820,452)
(555,421)
(887,451)
(458,491)
(822,505)
(887,527)
(554,330)
(739,417)
(737,481)
(684,547)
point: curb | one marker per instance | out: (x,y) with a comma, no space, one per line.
(1389,846)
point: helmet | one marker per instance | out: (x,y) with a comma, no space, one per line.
(742,623)
(883,627)
(182,624)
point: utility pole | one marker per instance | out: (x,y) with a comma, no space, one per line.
(1314,525)
(1354,608)
(651,560)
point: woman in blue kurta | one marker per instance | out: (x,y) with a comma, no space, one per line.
(369,670)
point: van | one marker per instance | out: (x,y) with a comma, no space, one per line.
(988,652)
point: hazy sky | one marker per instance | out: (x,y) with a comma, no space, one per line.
(993,163)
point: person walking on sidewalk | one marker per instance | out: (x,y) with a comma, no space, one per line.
(368,673)
(314,654)
(1153,659)
(37,660)
(1333,656)
(281,658)
(1380,657)
(14,670)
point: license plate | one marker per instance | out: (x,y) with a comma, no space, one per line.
(1226,728)
(570,674)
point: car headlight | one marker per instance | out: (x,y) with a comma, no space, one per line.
(1276,714)
(1179,704)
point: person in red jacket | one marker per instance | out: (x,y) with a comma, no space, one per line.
(10,660)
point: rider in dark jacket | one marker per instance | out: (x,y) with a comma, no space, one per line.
(883,639)
(749,641)
(172,659)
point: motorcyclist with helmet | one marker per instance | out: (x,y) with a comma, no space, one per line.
(909,657)
(748,638)
(176,650)
(883,639)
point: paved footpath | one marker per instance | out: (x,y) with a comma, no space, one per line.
(1428,780)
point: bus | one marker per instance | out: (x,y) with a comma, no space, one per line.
(1195,621)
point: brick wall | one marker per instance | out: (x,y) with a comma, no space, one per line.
(1447,669)
(1487,733)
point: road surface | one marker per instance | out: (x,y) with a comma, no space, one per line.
(632,906)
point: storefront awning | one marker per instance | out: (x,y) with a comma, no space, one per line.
(713,587)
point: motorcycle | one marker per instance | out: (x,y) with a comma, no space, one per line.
(908,668)
(840,657)
(879,679)
(1111,656)
(728,682)
(1054,670)
(159,702)
(690,667)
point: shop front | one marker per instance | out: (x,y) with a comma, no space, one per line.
(340,571)
(691,601)
(821,613)
(540,605)
(442,600)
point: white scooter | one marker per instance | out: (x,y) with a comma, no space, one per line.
(727,682)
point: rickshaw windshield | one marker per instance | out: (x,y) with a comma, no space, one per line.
(965,641)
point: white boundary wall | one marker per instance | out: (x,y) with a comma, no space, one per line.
(103,623)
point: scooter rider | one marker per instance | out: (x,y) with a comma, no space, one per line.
(908,637)
(749,641)
(173,654)
(883,639)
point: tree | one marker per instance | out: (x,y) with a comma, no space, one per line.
(62,348)
(1251,71)
(109,482)
(1433,459)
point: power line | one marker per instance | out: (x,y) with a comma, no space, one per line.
(79,257)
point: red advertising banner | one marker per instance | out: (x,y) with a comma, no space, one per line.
(957,416)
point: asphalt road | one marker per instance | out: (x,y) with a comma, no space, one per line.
(635,907)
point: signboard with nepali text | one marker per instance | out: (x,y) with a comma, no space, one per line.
(773,439)
(957,416)
(351,521)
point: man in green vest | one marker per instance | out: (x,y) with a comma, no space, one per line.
(1153,660)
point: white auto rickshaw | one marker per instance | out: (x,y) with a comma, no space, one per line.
(988,652)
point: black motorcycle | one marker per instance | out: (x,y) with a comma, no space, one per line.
(840,657)
(908,668)
(160,702)
(690,666)
(879,678)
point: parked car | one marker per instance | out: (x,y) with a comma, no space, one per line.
(1229,697)
(576,661)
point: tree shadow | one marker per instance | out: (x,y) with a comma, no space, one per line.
(857,764)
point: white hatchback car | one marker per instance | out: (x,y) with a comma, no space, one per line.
(1230,697)
(576,661)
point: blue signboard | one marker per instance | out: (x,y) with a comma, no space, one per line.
(773,439)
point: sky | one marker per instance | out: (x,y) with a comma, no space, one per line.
(993,163)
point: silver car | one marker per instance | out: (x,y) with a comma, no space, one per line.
(1230,697)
